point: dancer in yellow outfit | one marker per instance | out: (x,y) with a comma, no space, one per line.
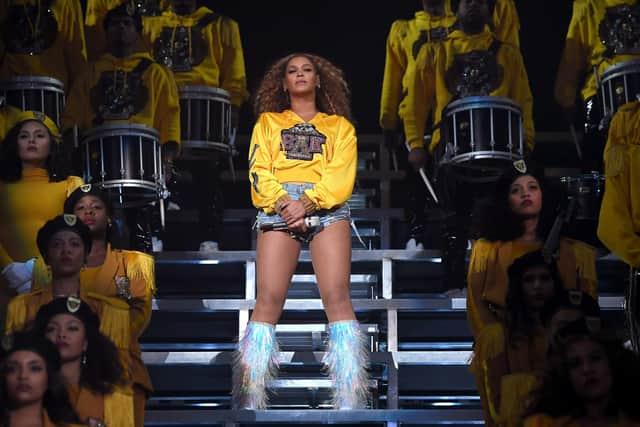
(619,222)
(115,273)
(95,378)
(65,243)
(42,38)
(203,49)
(302,163)
(517,220)
(509,356)
(33,162)
(33,361)
(590,382)
(601,34)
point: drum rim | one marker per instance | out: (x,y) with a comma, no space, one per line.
(118,129)
(614,70)
(463,104)
(33,79)
(485,154)
(198,143)
(206,89)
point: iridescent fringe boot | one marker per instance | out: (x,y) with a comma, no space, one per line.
(255,364)
(346,359)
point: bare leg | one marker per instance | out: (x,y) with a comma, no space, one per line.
(331,256)
(276,259)
(347,352)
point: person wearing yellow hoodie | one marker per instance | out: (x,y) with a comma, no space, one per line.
(601,34)
(619,222)
(203,49)
(42,38)
(432,24)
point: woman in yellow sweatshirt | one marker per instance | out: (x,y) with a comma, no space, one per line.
(302,165)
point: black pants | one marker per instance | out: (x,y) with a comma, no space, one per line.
(198,185)
(459,197)
(595,136)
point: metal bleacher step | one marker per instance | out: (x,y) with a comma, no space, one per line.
(420,341)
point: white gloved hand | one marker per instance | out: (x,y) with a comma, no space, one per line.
(18,273)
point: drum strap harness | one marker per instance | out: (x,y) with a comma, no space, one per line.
(433,35)
(136,73)
(493,50)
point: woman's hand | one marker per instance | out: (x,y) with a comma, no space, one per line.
(293,212)
(298,226)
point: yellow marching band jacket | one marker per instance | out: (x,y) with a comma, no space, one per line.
(405,39)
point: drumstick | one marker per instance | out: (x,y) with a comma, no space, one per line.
(424,177)
(576,142)
(162,212)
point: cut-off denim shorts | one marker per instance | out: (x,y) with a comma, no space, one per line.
(327,216)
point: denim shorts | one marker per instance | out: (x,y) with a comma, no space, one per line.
(327,216)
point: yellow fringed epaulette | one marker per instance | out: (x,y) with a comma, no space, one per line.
(585,255)
(490,341)
(118,408)
(482,253)
(141,266)
(17,311)
(614,159)
(115,320)
(41,275)
(73,182)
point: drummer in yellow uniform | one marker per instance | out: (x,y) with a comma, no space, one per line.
(471,62)
(124,86)
(619,223)
(42,38)
(432,24)
(96,10)
(202,48)
(602,33)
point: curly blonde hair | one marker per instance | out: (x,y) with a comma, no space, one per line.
(333,96)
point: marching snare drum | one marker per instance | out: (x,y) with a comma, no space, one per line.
(44,94)
(482,133)
(620,84)
(588,190)
(205,119)
(125,160)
